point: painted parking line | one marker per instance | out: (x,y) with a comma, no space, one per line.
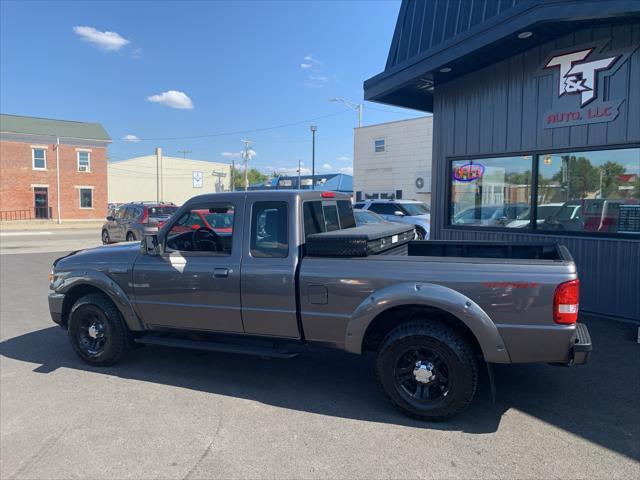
(21,234)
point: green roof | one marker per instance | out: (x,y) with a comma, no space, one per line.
(55,128)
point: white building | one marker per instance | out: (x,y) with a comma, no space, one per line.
(393,160)
(169,179)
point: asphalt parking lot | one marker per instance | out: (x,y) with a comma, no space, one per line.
(166,413)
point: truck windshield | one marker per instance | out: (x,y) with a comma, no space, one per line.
(414,209)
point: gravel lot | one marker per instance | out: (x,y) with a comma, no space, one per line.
(177,414)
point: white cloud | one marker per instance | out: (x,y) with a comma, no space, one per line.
(327,166)
(311,59)
(319,78)
(106,41)
(305,65)
(130,138)
(173,99)
(316,76)
(252,153)
(293,171)
(346,170)
(343,158)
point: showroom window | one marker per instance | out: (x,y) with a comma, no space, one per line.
(594,192)
(492,192)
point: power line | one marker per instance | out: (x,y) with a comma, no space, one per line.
(242,132)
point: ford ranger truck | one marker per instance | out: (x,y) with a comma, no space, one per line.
(294,270)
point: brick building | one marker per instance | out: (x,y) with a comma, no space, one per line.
(43,158)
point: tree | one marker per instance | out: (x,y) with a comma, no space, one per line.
(255,176)
(577,176)
(611,172)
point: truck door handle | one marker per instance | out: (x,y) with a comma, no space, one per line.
(221,272)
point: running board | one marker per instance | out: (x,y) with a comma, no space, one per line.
(256,350)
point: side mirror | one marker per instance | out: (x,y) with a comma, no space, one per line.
(398,213)
(110,218)
(149,245)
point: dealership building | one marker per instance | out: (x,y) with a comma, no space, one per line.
(536,127)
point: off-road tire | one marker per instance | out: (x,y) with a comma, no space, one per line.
(456,353)
(119,339)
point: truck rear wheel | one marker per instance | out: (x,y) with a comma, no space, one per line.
(427,370)
(97,331)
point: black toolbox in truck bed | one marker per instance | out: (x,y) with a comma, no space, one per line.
(359,241)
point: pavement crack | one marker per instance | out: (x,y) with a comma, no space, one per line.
(209,447)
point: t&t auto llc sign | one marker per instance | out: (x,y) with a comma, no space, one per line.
(579,77)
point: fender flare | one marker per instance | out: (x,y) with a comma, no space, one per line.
(428,295)
(110,288)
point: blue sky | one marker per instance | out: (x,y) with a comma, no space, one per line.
(240,66)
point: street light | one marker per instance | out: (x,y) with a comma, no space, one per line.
(313,129)
(356,107)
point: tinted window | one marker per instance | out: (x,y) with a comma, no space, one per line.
(491,192)
(313,218)
(161,211)
(359,206)
(345,212)
(383,208)
(269,230)
(599,191)
(331,217)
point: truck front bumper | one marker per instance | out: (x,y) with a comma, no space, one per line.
(56,301)
(581,347)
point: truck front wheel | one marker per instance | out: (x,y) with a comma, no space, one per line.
(427,370)
(97,331)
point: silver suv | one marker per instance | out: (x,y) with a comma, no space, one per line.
(412,212)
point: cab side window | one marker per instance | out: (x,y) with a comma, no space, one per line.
(193,231)
(269,230)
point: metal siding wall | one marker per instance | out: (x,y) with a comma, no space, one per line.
(423,24)
(497,111)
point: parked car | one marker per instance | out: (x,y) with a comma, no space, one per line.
(588,215)
(365,217)
(297,271)
(128,221)
(219,222)
(412,212)
(491,215)
(544,211)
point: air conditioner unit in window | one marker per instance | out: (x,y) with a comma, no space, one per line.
(422,182)
(83,168)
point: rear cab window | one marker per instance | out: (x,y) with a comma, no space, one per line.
(327,216)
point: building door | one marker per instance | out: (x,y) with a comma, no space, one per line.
(41,202)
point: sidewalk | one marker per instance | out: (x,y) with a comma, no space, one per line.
(20,225)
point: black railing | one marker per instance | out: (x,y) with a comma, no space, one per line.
(38,213)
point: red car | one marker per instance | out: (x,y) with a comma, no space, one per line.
(218,222)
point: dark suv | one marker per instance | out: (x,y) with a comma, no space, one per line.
(128,221)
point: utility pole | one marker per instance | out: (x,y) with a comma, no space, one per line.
(184,153)
(233,176)
(313,129)
(245,154)
(158,157)
(220,176)
(58,179)
(299,185)
(356,107)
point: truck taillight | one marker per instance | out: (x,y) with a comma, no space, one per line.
(565,302)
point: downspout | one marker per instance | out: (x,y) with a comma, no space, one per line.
(58,178)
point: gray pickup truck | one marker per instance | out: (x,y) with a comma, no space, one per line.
(293,269)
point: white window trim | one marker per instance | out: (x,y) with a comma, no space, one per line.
(33,157)
(88,152)
(84,187)
(39,185)
(384,139)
